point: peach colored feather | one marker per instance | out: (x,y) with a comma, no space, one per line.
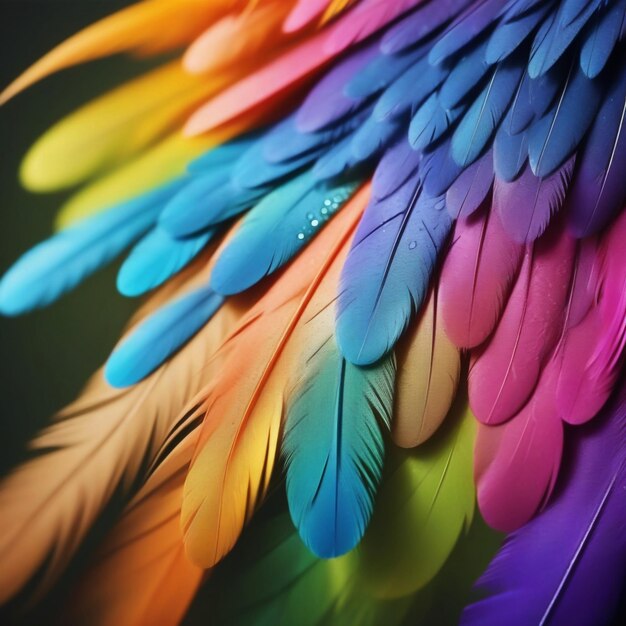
(243,407)
(429,366)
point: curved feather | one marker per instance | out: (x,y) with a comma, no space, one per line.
(467,193)
(388,270)
(57,265)
(333,447)
(575,538)
(505,371)
(476,279)
(429,367)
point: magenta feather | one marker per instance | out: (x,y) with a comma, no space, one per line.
(477,278)
(505,371)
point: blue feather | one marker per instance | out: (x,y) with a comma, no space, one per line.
(521,112)
(603,37)
(159,336)
(467,73)
(397,165)
(483,117)
(431,122)
(388,270)
(373,137)
(336,161)
(555,136)
(439,170)
(276,230)
(226,154)
(155,259)
(57,265)
(557,34)
(334,448)
(509,153)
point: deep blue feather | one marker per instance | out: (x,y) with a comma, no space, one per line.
(431,121)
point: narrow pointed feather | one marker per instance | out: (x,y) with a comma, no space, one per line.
(578,536)
(426,501)
(373,137)
(431,121)
(483,117)
(57,265)
(420,24)
(510,153)
(476,279)
(95,449)
(467,193)
(238,440)
(559,33)
(327,102)
(135,28)
(158,337)
(333,447)
(281,225)
(335,163)
(303,13)
(554,138)
(469,25)
(522,110)
(598,189)
(155,259)
(429,366)
(388,270)
(128,579)
(438,170)
(397,165)
(528,204)
(504,372)
(602,38)
(516,464)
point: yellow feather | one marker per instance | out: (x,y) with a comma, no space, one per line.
(244,406)
(429,366)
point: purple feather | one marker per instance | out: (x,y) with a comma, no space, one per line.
(598,190)
(527,204)
(471,188)
(396,166)
(566,566)
(327,102)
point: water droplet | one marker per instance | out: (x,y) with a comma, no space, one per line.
(325,210)
(300,236)
(326,202)
(314,223)
(412,245)
(310,216)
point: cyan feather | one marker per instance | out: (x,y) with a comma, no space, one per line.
(483,117)
(333,448)
(155,259)
(159,336)
(57,265)
(388,270)
(276,230)
(373,137)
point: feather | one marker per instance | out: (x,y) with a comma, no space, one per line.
(97,447)
(468,192)
(372,138)
(425,502)
(528,204)
(421,24)
(510,154)
(602,38)
(55,266)
(397,165)
(333,447)
(523,108)
(598,189)
(554,138)
(431,122)
(134,28)
(429,367)
(282,224)
(516,464)
(476,279)
(465,29)
(155,259)
(238,440)
(303,13)
(439,170)
(483,117)
(557,35)
(128,581)
(579,535)
(337,162)
(504,372)
(327,102)
(388,270)
(159,336)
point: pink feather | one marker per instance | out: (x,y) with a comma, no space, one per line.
(504,372)
(516,463)
(305,12)
(476,278)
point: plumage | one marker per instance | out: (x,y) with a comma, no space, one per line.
(573,543)
(431,121)
(476,279)
(467,193)
(429,367)
(387,273)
